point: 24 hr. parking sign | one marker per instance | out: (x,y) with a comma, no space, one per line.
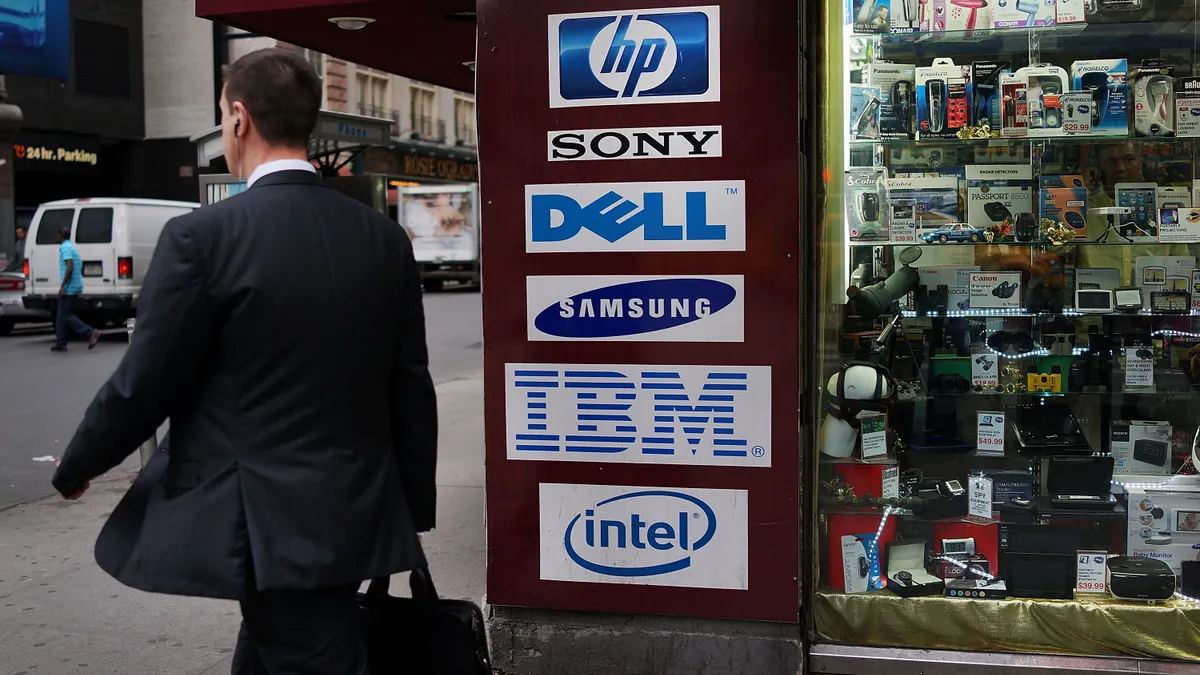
(698,415)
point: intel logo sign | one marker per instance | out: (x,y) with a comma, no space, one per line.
(686,309)
(610,540)
(635,308)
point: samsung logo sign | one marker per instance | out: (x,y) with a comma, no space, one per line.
(646,143)
(629,217)
(630,414)
(636,308)
(681,537)
(648,56)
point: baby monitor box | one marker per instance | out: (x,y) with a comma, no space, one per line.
(1164,524)
(1063,199)
(1141,448)
(897,97)
(942,106)
(983,90)
(998,192)
(870,16)
(1153,85)
(1105,81)
(1187,107)
(1024,13)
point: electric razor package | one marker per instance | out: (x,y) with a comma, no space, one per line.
(1044,86)
(866,210)
(1153,85)
(1014,105)
(897,96)
(942,107)
(1187,107)
(871,16)
(864,112)
(906,16)
(984,92)
(1105,81)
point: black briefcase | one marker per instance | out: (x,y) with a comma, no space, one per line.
(423,634)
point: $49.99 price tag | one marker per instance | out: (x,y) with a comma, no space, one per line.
(989,433)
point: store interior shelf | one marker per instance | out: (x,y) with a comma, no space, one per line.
(1112,241)
(1000,141)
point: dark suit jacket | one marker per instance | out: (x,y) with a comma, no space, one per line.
(282,332)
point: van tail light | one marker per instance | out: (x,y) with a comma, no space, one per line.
(25,269)
(124,268)
(12,284)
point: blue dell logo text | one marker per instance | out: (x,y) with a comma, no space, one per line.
(650,56)
(616,529)
(613,217)
(635,308)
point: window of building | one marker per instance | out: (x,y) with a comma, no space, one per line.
(101,60)
(424,112)
(374,93)
(464,120)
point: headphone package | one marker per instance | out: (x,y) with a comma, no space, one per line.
(860,563)
(1105,81)
(1153,99)
(942,105)
(984,92)
(866,206)
(897,96)
(998,192)
(1187,107)
(864,112)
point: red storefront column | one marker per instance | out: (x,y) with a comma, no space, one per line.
(642,458)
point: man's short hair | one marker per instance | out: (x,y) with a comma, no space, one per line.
(281,91)
(64,232)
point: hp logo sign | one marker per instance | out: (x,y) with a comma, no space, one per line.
(652,56)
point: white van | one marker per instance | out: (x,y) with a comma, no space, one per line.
(115,238)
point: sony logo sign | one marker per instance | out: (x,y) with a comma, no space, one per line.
(645,143)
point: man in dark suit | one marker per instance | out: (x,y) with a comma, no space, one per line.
(282,332)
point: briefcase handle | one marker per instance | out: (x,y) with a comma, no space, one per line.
(420,582)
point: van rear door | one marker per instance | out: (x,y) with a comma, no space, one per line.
(94,239)
(44,278)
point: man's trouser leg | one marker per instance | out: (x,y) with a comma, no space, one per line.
(301,633)
(73,323)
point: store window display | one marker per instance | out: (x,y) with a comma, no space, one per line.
(1009,402)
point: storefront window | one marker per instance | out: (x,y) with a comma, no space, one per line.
(1012,323)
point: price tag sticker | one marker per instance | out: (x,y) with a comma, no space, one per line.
(989,433)
(874,435)
(891,483)
(1089,571)
(979,492)
(1139,367)
(985,369)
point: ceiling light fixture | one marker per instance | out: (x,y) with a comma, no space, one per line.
(352,22)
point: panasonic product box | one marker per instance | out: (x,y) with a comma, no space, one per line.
(1063,199)
(1105,81)
(942,105)
(1187,107)
(1141,448)
(1164,524)
(1153,90)
(983,90)
(897,95)
(998,192)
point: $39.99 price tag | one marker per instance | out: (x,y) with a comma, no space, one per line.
(1089,571)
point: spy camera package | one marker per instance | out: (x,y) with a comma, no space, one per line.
(1187,107)
(897,96)
(942,105)
(998,192)
(866,206)
(1153,85)
(864,112)
(1105,81)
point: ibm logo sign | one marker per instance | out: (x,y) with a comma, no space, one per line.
(698,415)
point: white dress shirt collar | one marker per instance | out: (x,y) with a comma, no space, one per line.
(276,166)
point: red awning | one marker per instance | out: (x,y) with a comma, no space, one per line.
(428,40)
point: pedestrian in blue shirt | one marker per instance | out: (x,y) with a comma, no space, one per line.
(70,268)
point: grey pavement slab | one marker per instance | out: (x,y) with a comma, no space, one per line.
(60,614)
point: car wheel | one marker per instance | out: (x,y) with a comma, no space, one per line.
(433,285)
(6,327)
(974,238)
(943,239)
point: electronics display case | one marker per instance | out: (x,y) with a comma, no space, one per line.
(1011,276)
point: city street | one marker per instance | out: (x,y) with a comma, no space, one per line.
(60,614)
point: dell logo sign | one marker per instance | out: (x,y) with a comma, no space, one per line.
(668,216)
(628,529)
(649,56)
(644,535)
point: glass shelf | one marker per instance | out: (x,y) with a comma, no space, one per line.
(1022,314)
(1031,244)
(1001,141)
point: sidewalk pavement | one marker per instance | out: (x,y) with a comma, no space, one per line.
(60,614)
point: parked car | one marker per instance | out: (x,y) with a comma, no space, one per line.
(954,232)
(12,306)
(115,238)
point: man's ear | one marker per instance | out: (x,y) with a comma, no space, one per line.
(240,116)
